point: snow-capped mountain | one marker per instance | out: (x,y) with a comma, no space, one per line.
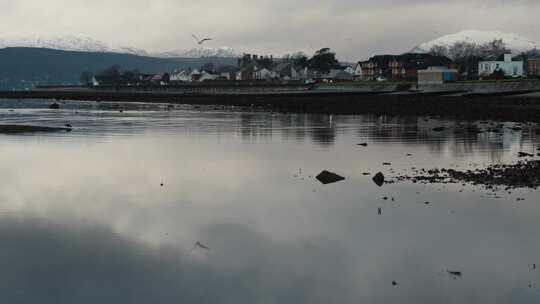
(223,52)
(513,42)
(68,43)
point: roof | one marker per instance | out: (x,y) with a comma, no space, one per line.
(283,66)
(159,77)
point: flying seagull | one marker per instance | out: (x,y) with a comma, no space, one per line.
(201,41)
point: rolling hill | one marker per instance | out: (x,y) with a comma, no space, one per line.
(24,68)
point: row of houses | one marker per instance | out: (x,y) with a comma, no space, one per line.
(426,68)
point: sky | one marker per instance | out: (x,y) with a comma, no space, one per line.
(355,29)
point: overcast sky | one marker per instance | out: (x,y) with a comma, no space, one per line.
(355,29)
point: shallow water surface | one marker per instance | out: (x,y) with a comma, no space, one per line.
(84,217)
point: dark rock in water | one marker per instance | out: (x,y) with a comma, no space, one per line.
(387,164)
(327,177)
(378,179)
(439,129)
(54,106)
(523,154)
(454,273)
(68,126)
(394,283)
(363,144)
(16,129)
(366,173)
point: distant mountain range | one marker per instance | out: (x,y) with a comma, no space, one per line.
(513,42)
(25,68)
(44,60)
(68,43)
(224,52)
(88,44)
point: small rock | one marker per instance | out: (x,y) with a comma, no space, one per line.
(454,273)
(54,106)
(387,164)
(378,179)
(363,144)
(394,283)
(327,177)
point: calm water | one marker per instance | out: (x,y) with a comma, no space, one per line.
(84,218)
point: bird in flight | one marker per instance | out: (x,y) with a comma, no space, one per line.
(201,41)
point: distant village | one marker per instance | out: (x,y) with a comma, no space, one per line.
(439,66)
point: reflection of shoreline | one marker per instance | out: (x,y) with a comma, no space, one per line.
(496,107)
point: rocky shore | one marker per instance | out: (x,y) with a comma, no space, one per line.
(523,174)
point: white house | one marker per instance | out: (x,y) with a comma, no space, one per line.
(264,74)
(358,71)
(349,69)
(181,76)
(204,76)
(509,67)
(286,71)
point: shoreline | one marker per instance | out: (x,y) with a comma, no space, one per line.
(503,106)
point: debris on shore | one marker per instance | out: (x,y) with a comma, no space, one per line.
(18,129)
(524,174)
(327,177)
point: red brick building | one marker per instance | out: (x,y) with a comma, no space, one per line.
(533,67)
(400,67)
